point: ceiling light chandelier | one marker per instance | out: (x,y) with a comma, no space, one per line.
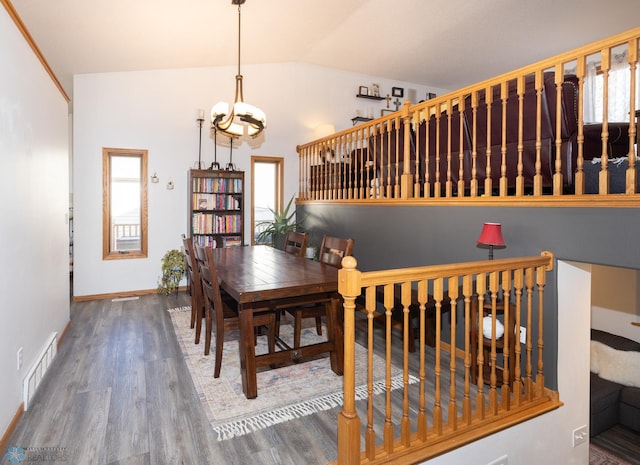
(243,118)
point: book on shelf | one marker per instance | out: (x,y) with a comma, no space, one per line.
(231,241)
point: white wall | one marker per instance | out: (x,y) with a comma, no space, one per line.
(34,186)
(156,110)
(547,439)
(615,296)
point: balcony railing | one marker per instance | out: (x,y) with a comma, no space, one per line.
(474,381)
(522,135)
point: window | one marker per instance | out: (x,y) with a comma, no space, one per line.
(266,190)
(124,200)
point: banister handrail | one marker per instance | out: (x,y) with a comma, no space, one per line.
(517,395)
(434,161)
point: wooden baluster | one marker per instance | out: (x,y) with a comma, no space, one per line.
(447,185)
(461,145)
(517,382)
(437,185)
(528,383)
(396,183)
(416,125)
(422,409)
(467,292)
(376,175)
(348,420)
(387,132)
(427,156)
(437,406)
(474,144)
(507,340)
(541,281)
(370,434)
(452,291)
(388,424)
(520,177)
(488,182)
(631,175)
(603,178)
(579,174)
(537,177)
(405,425)
(493,380)
(481,289)
(504,94)
(557,172)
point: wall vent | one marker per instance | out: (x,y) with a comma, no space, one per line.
(39,368)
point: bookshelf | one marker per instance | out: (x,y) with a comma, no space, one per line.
(216,207)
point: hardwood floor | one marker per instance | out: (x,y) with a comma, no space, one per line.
(620,441)
(119,392)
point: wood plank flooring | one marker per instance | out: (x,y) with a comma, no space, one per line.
(119,392)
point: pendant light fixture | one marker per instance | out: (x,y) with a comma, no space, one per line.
(241,118)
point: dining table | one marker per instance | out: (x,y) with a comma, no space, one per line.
(260,277)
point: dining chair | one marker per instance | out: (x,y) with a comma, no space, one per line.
(195,286)
(296,243)
(332,251)
(222,311)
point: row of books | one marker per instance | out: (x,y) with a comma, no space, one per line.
(210,241)
(205,241)
(231,241)
(215,202)
(217,185)
(207,223)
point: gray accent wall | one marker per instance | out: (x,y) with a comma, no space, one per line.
(404,236)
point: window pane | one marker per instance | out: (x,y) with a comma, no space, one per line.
(267,189)
(125,212)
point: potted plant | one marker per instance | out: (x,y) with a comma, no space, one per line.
(274,231)
(172,272)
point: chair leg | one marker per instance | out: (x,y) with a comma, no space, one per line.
(193,310)
(278,314)
(207,333)
(218,354)
(273,327)
(199,316)
(297,329)
(319,325)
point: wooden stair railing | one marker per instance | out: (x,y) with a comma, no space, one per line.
(390,158)
(461,408)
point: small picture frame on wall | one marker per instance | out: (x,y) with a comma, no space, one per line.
(363,90)
(430,95)
(397,92)
(375,89)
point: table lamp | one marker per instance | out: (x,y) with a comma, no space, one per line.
(491,236)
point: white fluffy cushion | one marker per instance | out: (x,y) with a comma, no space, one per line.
(619,366)
(486,328)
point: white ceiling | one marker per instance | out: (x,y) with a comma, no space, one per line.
(441,43)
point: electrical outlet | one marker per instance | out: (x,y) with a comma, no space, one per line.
(504,460)
(19,357)
(523,335)
(580,435)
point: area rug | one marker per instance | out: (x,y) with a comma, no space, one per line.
(598,456)
(284,393)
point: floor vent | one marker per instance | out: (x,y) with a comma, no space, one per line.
(39,368)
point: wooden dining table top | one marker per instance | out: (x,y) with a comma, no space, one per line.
(260,273)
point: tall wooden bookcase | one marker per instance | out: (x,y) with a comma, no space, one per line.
(216,207)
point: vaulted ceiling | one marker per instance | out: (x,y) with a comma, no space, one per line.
(442,43)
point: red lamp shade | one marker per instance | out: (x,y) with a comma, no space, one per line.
(491,235)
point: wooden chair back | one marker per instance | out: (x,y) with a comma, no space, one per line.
(296,243)
(195,284)
(334,249)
